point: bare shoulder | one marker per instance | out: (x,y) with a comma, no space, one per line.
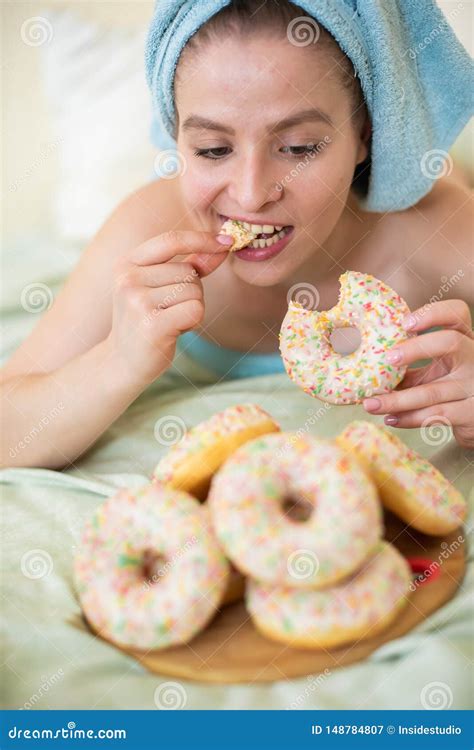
(437,236)
(81,315)
(148,211)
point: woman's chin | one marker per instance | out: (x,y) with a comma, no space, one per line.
(259,274)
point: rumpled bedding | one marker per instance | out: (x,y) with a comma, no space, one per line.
(48,662)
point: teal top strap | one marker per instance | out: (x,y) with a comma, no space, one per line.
(229,363)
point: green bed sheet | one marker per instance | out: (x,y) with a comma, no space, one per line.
(47,662)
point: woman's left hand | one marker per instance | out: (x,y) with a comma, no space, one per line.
(442,391)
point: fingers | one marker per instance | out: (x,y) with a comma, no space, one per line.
(419,375)
(436,344)
(453,314)
(420,397)
(206,264)
(173,294)
(157,275)
(166,246)
(454,414)
(183,317)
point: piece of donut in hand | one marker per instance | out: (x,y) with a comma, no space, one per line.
(241,236)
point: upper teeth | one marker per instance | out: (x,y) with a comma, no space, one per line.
(259,228)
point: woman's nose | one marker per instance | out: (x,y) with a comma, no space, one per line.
(253,185)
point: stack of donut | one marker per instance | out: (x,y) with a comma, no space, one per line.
(299,518)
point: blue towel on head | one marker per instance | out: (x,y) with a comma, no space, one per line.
(415,75)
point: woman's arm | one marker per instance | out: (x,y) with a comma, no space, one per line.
(61,388)
(49,419)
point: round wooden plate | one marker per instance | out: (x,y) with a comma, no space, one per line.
(231,650)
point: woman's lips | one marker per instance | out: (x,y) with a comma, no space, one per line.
(264,253)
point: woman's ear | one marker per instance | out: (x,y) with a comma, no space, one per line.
(364,140)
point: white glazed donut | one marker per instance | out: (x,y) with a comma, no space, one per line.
(190,464)
(358,607)
(251,499)
(310,360)
(408,484)
(149,571)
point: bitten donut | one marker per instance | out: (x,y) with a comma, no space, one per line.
(293,509)
(311,362)
(408,484)
(360,607)
(149,570)
(190,464)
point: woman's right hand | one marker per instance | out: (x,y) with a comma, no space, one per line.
(156,298)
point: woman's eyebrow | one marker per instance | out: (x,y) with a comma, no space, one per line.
(196,122)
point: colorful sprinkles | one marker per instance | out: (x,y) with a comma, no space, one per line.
(408,484)
(310,360)
(136,608)
(246,504)
(359,607)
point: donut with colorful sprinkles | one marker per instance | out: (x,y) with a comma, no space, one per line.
(408,484)
(359,607)
(295,510)
(149,571)
(313,364)
(190,464)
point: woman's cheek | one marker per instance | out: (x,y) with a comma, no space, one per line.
(198,188)
(321,200)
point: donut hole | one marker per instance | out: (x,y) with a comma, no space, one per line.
(345,340)
(297,509)
(153,566)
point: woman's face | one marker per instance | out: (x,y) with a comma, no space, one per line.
(248,165)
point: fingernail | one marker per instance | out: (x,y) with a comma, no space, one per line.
(409,321)
(225,239)
(391,420)
(394,356)
(372,404)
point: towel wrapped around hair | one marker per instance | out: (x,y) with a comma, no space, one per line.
(415,75)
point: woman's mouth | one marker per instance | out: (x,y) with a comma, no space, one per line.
(269,241)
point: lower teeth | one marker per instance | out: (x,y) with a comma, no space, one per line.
(268,242)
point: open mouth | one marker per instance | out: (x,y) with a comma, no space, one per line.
(265,234)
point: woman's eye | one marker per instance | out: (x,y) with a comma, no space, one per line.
(296,151)
(211,153)
(308,148)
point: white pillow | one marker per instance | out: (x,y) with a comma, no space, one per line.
(94,78)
